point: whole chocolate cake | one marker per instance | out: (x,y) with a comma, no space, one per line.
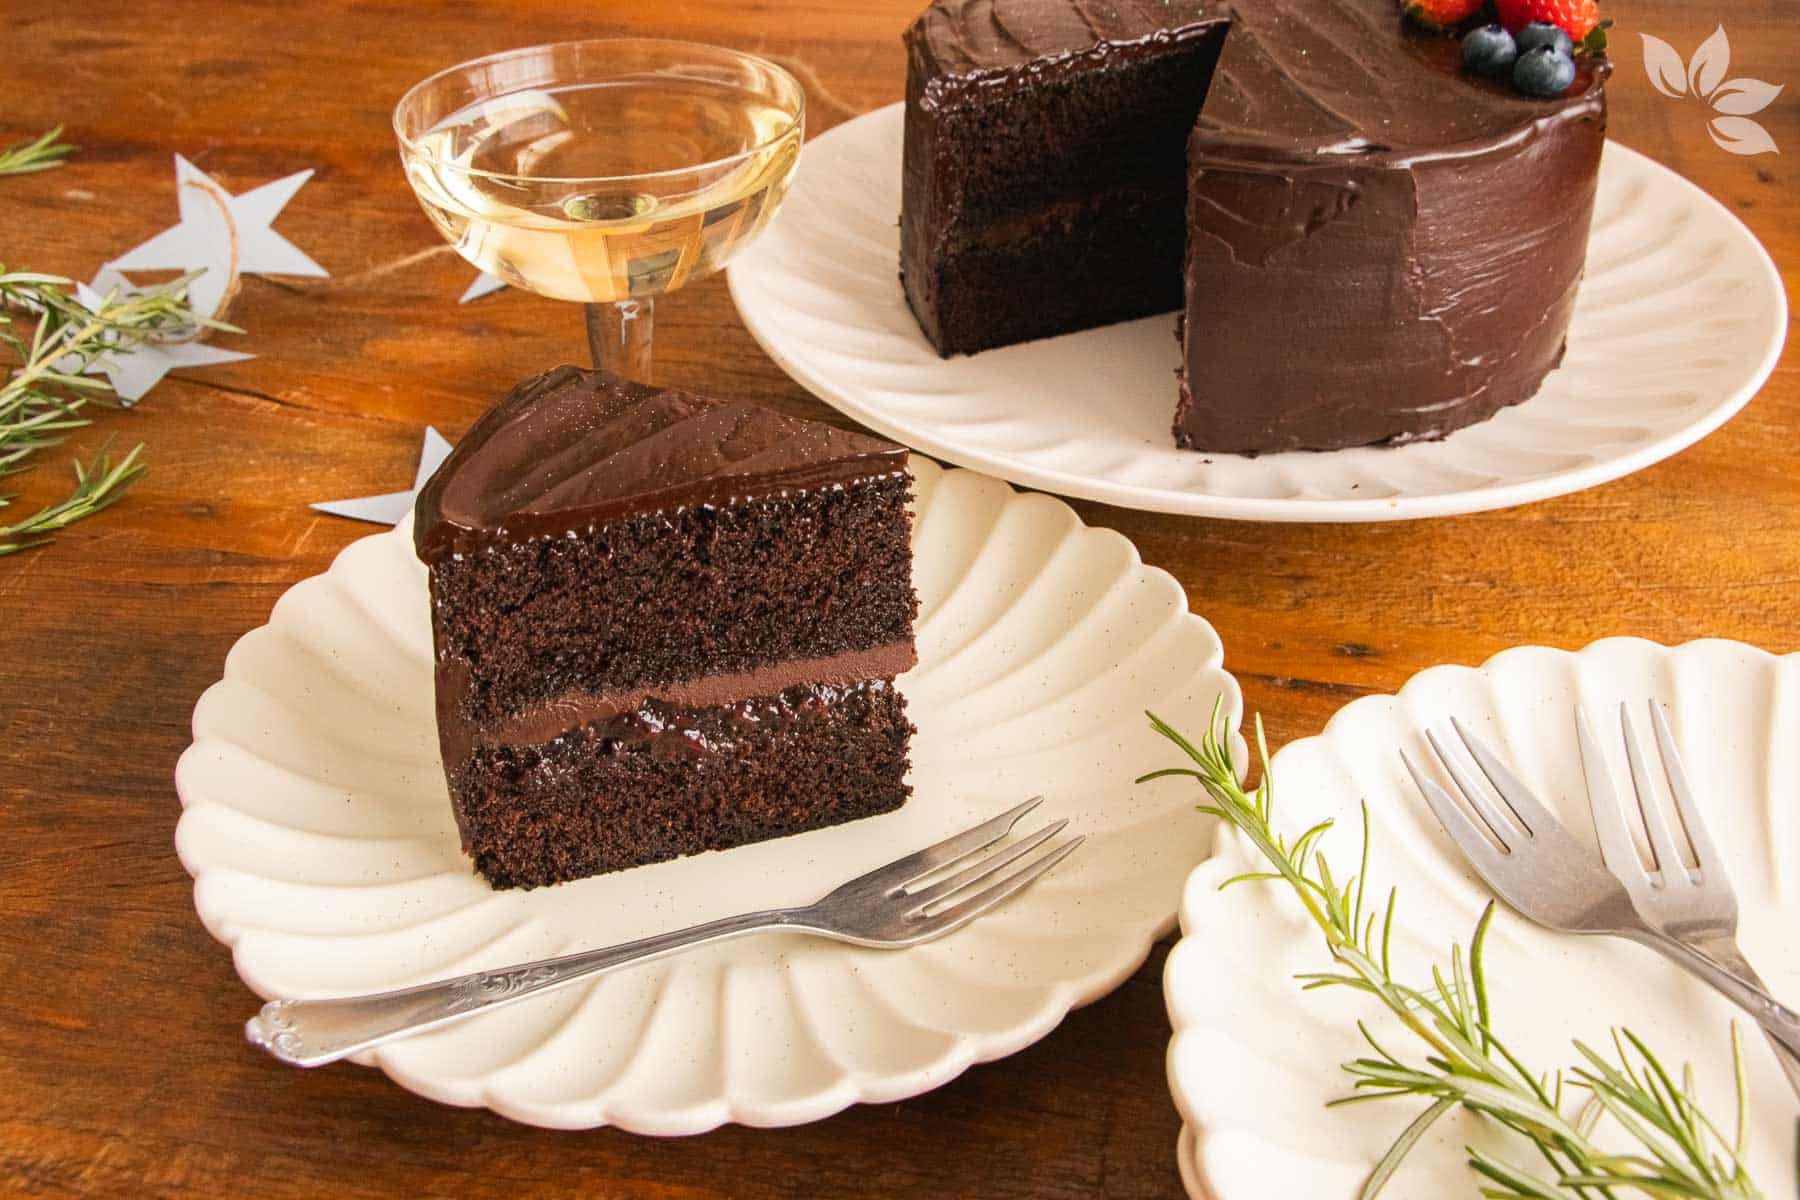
(664,623)
(1379,245)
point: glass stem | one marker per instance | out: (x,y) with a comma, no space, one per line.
(619,336)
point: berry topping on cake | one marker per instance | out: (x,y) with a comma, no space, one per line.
(1490,50)
(1580,19)
(1442,14)
(1543,71)
(1543,33)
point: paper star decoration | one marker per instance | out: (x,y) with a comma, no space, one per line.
(136,371)
(484,285)
(391,508)
(224,234)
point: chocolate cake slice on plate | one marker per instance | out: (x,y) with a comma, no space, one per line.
(664,623)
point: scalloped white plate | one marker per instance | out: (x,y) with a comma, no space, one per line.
(1254,1059)
(1679,322)
(319,835)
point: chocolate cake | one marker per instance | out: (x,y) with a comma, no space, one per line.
(1379,246)
(664,624)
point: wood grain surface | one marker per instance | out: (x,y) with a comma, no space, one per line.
(122,1066)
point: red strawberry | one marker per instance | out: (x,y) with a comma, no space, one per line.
(1577,18)
(1441,14)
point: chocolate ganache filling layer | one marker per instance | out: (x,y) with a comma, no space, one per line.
(679,709)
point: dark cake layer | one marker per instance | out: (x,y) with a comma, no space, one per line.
(664,780)
(1043,191)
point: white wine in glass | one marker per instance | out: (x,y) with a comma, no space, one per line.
(604,172)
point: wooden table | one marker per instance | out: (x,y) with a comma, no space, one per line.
(122,1065)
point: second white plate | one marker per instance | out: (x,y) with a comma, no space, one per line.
(1254,1059)
(1680,320)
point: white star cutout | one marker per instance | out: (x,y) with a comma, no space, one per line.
(204,236)
(484,284)
(391,509)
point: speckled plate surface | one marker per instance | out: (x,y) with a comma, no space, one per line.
(1254,1059)
(319,835)
(1680,320)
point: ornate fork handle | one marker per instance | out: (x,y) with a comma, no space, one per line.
(311,1033)
(1777,1020)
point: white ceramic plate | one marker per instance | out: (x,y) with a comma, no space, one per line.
(319,835)
(1254,1059)
(1680,320)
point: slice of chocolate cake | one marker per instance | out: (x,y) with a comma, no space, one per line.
(1044,169)
(664,624)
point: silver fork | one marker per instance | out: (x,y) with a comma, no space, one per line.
(1696,905)
(911,900)
(1534,864)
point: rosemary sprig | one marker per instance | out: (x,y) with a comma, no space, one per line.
(46,152)
(1681,1154)
(97,485)
(43,397)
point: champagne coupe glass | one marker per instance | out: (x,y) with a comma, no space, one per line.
(605,172)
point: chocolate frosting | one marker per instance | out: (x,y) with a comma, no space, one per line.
(1381,246)
(1298,77)
(1306,79)
(982,37)
(575,447)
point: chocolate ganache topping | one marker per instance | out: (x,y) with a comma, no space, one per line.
(1310,79)
(962,37)
(1382,247)
(575,446)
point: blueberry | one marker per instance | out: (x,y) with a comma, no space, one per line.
(1489,50)
(1543,33)
(1543,72)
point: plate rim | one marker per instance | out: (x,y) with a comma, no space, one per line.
(964,1049)
(1194,1131)
(1285,510)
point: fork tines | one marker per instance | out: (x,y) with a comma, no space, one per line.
(1616,843)
(1522,816)
(937,884)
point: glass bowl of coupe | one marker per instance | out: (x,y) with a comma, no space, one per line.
(606,172)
